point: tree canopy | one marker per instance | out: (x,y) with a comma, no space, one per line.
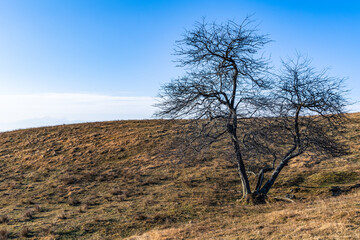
(229,91)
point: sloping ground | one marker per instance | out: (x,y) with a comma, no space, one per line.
(113,180)
(331,218)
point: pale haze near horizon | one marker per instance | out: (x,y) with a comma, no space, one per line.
(36,110)
(81,61)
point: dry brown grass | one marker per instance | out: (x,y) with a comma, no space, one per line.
(331,218)
(112,180)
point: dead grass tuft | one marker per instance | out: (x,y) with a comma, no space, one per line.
(38,208)
(116,191)
(48,231)
(24,232)
(70,179)
(4,219)
(62,215)
(73,201)
(4,234)
(28,214)
(83,208)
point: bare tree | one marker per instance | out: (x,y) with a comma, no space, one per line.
(309,110)
(226,93)
(225,75)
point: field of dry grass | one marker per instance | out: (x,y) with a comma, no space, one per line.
(330,218)
(112,180)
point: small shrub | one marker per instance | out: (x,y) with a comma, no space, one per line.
(24,232)
(4,234)
(4,219)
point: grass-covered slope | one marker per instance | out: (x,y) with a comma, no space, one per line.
(113,180)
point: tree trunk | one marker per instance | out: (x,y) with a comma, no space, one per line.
(291,154)
(265,189)
(240,163)
(242,171)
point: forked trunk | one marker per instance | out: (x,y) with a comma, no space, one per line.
(265,189)
(296,150)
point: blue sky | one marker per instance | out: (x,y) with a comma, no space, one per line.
(65,61)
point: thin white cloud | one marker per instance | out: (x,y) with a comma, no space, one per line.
(32,110)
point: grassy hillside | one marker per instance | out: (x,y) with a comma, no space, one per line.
(112,180)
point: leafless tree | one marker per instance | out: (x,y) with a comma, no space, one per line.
(226,93)
(306,116)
